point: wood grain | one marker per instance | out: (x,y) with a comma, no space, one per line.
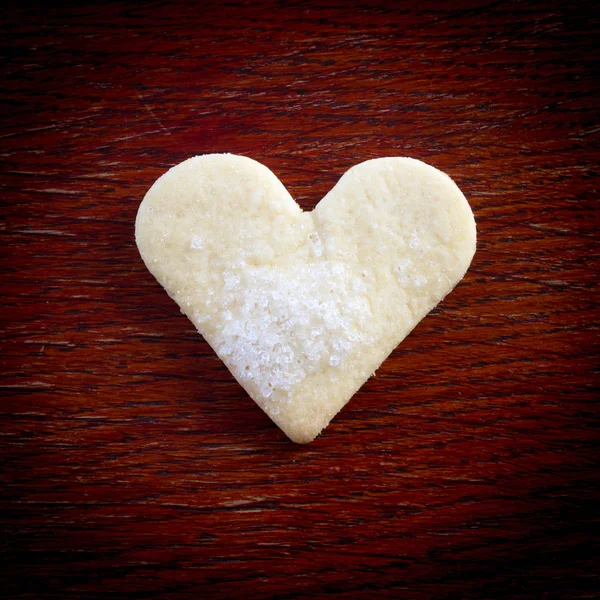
(132,463)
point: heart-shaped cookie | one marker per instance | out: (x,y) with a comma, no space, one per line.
(303,307)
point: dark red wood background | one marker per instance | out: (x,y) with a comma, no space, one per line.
(134,465)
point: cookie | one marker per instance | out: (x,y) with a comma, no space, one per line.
(303,307)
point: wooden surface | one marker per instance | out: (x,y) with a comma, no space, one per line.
(134,466)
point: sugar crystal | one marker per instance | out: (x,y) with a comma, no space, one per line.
(197,242)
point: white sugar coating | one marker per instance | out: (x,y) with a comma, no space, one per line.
(303,307)
(281,325)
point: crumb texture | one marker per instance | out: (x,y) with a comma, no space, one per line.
(303,307)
